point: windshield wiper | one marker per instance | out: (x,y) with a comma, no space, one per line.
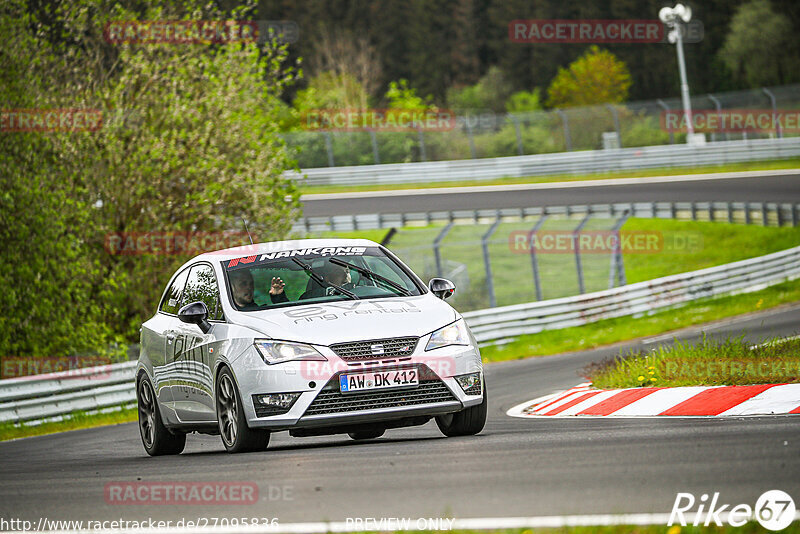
(321,281)
(374,276)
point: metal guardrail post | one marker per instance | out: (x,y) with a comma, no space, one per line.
(422,154)
(329,148)
(487,264)
(666,108)
(774,111)
(614,114)
(436,248)
(374,139)
(577,249)
(764,215)
(730,212)
(565,123)
(534,261)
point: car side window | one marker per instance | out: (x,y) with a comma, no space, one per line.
(172,298)
(202,286)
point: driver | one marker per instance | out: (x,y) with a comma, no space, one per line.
(242,289)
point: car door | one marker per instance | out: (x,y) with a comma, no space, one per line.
(158,339)
(193,349)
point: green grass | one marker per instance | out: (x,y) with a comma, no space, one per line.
(708,362)
(669,171)
(76,421)
(714,243)
(611,331)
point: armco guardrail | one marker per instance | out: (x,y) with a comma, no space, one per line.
(766,214)
(580,162)
(499,324)
(39,397)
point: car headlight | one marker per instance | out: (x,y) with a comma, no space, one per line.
(282,351)
(452,334)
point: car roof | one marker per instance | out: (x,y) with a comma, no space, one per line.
(278,246)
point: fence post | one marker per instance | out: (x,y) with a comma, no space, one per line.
(520,151)
(576,247)
(329,148)
(436,248)
(774,111)
(718,105)
(666,108)
(472,150)
(487,264)
(617,262)
(616,122)
(422,154)
(534,262)
(565,123)
(375,153)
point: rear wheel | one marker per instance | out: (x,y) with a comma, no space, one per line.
(156,438)
(467,422)
(367,434)
(236,435)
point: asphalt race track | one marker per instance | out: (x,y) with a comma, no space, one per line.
(778,188)
(515,467)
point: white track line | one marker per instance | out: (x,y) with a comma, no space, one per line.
(549,185)
(477,523)
(660,401)
(775,400)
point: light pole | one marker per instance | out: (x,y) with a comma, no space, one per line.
(672,17)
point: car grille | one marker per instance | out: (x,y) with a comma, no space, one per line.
(376,348)
(431,390)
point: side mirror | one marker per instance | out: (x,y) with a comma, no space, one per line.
(195,313)
(441,287)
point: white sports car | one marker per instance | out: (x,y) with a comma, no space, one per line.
(315,336)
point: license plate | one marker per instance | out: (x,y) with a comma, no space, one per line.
(378,380)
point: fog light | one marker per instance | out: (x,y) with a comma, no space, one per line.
(470,383)
(274,403)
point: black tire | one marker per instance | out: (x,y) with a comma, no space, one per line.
(467,422)
(367,434)
(236,435)
(156,438)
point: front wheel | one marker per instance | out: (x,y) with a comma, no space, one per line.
(236,435)
(156,438)
(467,422)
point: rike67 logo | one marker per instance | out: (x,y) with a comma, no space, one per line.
(774,510)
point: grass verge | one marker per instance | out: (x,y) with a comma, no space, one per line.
(667,171)
(708,362)
(619,329)
(76,421)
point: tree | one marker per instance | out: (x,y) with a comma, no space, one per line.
(491,92)
(755,49)
(597,77)
(189,143)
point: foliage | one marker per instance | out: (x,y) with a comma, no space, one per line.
(401,96)
(328,90)
(597,77)
(524,101)
(491,93)
(755,47)
(189,143)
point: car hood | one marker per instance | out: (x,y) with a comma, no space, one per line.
(351,320)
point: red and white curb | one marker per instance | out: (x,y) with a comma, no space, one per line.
(583,400)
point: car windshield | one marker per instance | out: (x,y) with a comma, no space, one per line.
(313,275)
